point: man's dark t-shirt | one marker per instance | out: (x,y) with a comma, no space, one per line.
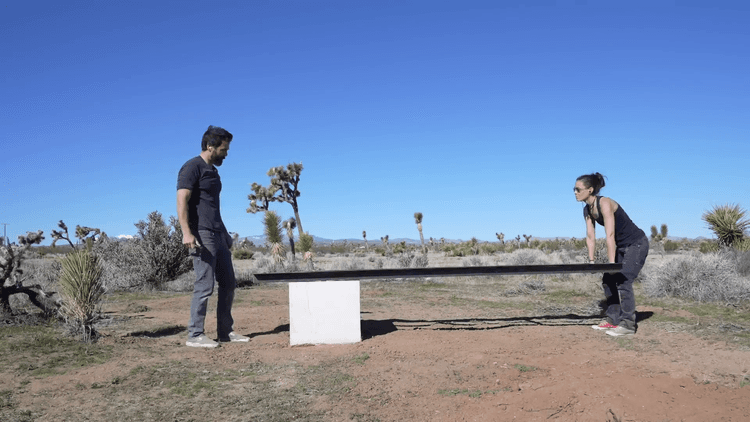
(204,182)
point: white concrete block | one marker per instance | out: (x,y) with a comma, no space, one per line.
(324,312)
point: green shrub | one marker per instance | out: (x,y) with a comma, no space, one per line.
(242,254)
(708,247)
(670,246)
(81,290)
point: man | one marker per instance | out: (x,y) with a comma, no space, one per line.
(203,231)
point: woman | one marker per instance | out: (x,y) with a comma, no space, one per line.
(626,244)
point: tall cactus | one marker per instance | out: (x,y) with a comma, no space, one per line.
(364,236)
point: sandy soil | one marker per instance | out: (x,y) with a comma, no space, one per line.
(417,364)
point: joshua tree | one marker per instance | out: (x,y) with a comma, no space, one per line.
(418,219)
(528,239)
(283,188)
(86,235)
(290,225)
(364,236)
(728,222)
(385,242)
(658,237)
(500,237)
(11,258)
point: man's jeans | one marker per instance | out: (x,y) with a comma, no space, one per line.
(213,263)
(618,287)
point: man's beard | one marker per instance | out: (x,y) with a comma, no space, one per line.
(218,161)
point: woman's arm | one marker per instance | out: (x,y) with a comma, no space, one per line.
(608,213)
(591,237)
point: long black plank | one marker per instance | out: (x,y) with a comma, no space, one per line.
(438,272)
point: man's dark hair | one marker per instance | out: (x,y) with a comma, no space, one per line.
(214,137)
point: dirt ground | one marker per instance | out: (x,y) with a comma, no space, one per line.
(420,360)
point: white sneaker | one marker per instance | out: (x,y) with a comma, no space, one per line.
(201,341)
(235,338)
(621,331)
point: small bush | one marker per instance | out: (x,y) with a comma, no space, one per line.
(474,261)
(420,261)
(710,277)
(528,257)
(709,247)
(242,254)
(743,263)
(404,260)
(670,246)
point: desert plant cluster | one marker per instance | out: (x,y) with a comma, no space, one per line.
(69,280)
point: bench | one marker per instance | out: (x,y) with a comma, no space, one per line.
(324,306)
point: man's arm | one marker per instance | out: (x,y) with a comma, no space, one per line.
(183,197)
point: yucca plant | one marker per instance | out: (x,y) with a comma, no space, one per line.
(81,290)
(728,222)
(273,232)
(305,243)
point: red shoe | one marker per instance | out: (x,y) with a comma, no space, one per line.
(604,325)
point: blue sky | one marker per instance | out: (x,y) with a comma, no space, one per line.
(479,114)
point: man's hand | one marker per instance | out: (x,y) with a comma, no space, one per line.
(189,240)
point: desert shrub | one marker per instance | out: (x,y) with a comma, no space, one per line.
(404,259)
(420,261)
(81,290)
(670,246)
(472,247)
(528,257)
(743,263)
(121,269)
(742,245)
(527,287)
(163,255)
(244,277)
(474,261)
(710,277)
(550,245)
(347,265)
(489,248)
(42,271)
(242,254)
(154,257)
(266,265)
(708,247)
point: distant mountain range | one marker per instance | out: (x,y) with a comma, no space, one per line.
(261,240)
